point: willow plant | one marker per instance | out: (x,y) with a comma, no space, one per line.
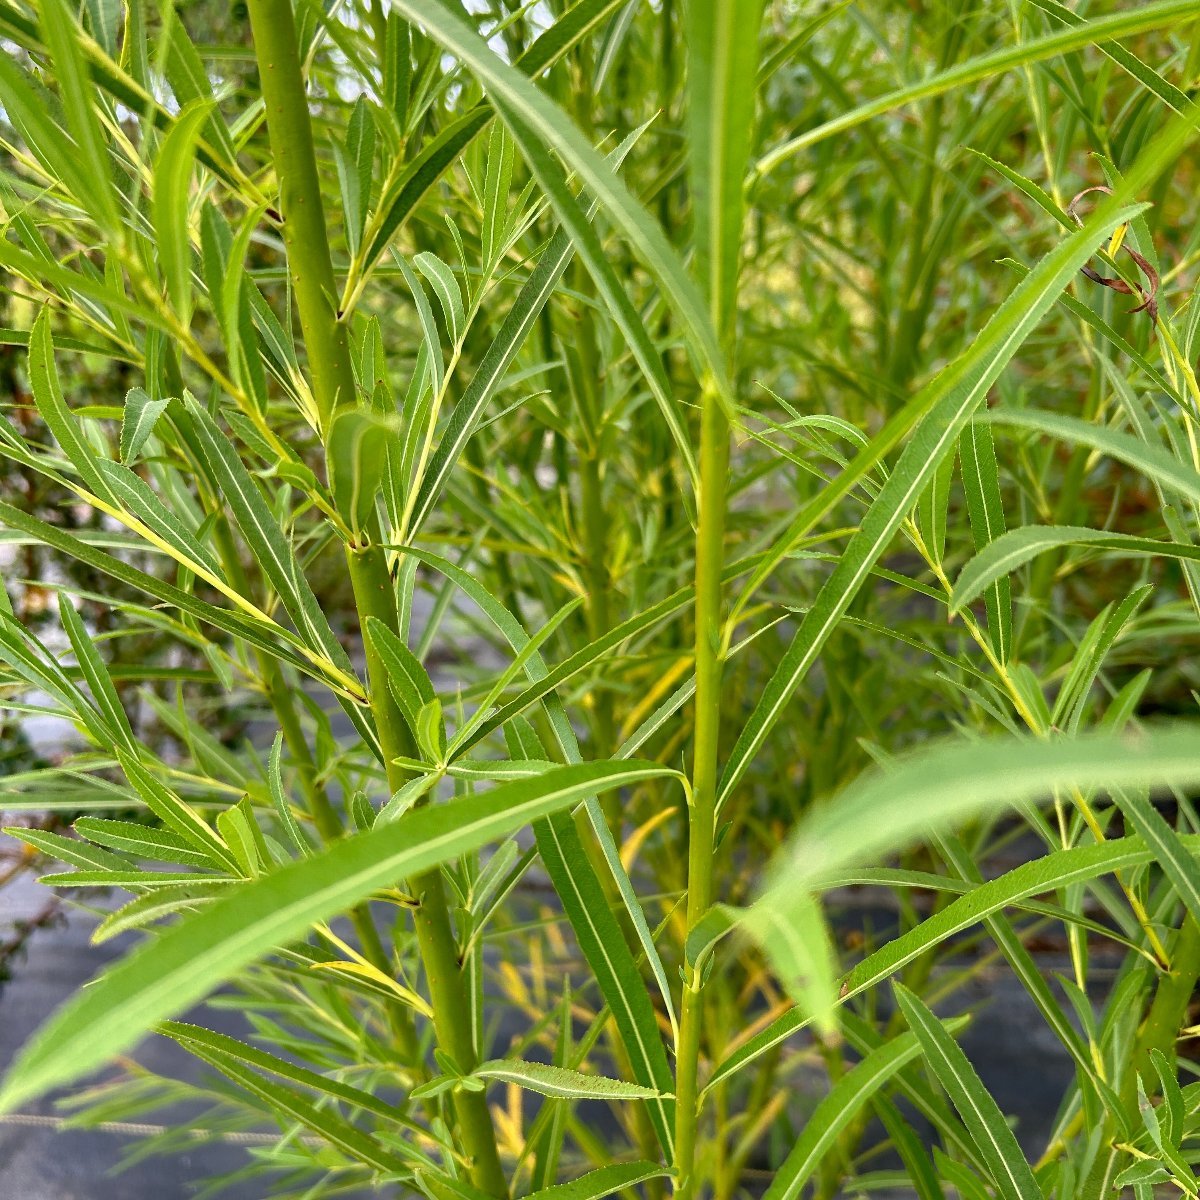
(488,425)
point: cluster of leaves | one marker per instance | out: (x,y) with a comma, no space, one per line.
(500,410)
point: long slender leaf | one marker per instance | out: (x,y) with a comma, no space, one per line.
(603,1182)
(979,1111)
(722,40)
(1157,464)
(836,1111)
(256,631)
(1019,546)
(188,961)
(172,175)
(548,1080)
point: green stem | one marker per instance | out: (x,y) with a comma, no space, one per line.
(302,213)
(1168,1012)
(597,582)
(586,377)
(310,267)
(431,916)
(710,538)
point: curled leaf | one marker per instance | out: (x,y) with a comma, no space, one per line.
(1149,304)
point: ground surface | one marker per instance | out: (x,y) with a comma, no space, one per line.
(45,1163)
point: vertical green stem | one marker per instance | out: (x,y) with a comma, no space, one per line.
(431,917)
(597,582)
(310,267)
(722,39)
(585,373)
(586,376)
(710,538)
(303,215)
(1168,1011)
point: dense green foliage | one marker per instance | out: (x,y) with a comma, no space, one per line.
(541,503)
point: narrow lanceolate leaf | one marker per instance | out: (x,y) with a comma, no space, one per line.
(73,75)
(174,812)
(1178,863)
(445,288)
(497,179)
(171,209)
(1102,634)
(185,963)
(837,1110)
(266,540)
(981,483)
(71,851)
(131,878)
(549,1080)
(294,1106)
(279,799)
(1057,870)
(1154,462)
(408,679)
(138,421)
(153,906)
(260,632)
(722,42)
(1019,546)
(591,250)
(194,1035)
(980,1113)
(522,105)
(53,408)
(597,1184)
(934,509)
(954,395)
(137,500)
(95,674)
(952,398)
(143,841)
(357,458)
